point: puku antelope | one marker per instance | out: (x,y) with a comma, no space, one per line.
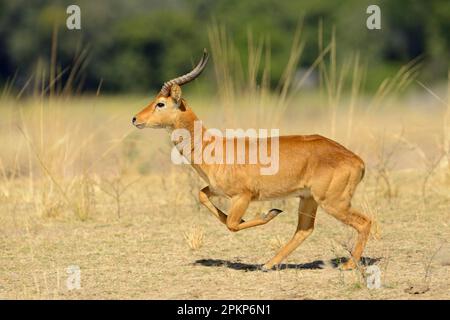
(319,171)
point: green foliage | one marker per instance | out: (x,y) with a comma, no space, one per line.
(136,45)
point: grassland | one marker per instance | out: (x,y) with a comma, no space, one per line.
(80,186)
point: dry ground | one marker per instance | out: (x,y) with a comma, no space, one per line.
(163,245)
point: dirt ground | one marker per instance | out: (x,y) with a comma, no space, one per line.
(166,246)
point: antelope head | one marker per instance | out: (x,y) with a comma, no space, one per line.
(167,107)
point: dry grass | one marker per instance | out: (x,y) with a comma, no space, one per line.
(194,238)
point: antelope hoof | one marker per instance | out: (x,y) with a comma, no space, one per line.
(266,268)
(271,214)
(349,265)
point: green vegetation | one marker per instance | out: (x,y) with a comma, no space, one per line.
(136,45)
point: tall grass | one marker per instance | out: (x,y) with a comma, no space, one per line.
(242,86)
(244,92)
(57,145)
(238,86)
(65,150)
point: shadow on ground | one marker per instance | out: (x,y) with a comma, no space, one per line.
(317,264)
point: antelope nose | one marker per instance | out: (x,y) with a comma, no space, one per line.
(134,120)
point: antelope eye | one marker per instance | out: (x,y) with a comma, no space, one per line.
(160,104)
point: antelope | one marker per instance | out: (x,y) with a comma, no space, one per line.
(315,169)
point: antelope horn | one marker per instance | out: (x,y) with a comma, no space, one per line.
(188,77)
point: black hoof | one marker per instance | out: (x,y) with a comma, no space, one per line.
(275,211)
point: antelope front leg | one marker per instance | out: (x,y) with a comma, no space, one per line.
(239,205)
(204,197)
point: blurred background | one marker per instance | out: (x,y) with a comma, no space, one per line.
(133,46)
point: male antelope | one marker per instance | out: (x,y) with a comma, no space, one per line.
(313,168)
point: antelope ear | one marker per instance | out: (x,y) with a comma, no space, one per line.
(175,93)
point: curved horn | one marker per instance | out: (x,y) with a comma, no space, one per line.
(188,76)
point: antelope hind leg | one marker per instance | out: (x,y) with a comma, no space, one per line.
(306,218)
(361,223)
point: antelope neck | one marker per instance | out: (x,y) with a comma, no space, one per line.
(188,121)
